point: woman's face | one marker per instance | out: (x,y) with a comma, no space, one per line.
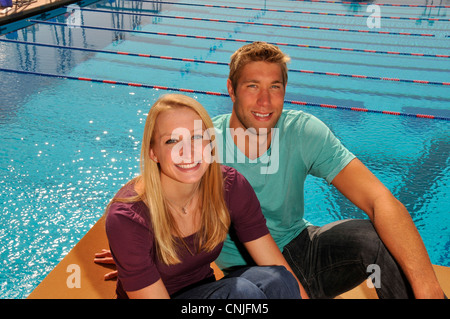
(180,146)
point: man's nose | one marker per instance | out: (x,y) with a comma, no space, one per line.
(264,97)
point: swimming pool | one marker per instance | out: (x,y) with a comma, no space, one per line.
(74,99)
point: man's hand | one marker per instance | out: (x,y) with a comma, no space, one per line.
(105,257)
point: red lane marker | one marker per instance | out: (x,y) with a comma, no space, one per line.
(391,113)
(331,106)
(359,76)
(299,102)
(85,79)
(359,109)
(425,116)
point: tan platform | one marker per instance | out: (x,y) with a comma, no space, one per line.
(92,285)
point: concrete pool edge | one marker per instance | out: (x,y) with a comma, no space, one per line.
(78,277)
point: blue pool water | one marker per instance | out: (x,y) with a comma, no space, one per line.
(69,145)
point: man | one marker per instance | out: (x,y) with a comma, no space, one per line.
(275,150)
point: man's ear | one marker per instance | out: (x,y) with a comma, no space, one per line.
(231,90)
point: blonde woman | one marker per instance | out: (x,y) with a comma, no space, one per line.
(168,224)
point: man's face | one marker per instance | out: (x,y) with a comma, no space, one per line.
(259,96)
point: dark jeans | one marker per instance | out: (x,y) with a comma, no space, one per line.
(269,282)
(333,259)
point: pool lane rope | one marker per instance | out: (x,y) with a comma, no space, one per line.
(263,24)
(201,37)
(286,11)
(379,4)
(158,87)
(355,76)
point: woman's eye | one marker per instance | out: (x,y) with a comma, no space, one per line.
(171,141)
(197,137)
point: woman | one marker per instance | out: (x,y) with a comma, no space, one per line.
(168,224)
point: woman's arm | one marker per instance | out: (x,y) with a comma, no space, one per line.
(154,291)
(265,252)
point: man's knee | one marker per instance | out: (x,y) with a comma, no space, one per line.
(241,288)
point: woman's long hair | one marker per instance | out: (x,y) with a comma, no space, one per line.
(215,219)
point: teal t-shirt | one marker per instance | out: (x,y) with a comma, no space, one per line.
(301,145)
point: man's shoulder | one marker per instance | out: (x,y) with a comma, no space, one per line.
(295,120)
(295,115)
(220,120)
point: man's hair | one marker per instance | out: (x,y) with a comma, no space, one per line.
(256,52)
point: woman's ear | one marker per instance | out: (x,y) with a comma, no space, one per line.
(153,156)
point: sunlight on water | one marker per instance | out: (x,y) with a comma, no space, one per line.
(68,146)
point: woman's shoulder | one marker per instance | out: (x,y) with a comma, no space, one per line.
(233,180)
(229,175)
(135,211)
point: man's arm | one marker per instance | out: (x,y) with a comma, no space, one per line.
(390,218)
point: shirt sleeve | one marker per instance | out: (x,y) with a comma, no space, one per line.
(324,155)
(245,210)
(131,244)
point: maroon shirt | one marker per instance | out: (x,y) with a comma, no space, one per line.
(132,242)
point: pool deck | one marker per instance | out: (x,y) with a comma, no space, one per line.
(23,9)
(78,267)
